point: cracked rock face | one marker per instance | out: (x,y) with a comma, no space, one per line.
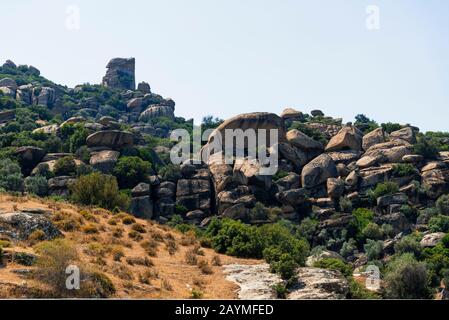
(256,282)
(120,74)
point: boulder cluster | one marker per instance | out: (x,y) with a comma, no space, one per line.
(322,163)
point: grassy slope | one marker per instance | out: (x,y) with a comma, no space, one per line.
(170,268)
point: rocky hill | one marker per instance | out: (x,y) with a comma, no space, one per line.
(345,197)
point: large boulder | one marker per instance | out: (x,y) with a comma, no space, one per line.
(194,194)
(7,115)
(348,138)
(113,139)
(293,154)
(335,188)
(44,96)
(292,197)
(289,115)
(29,157)
(241,194)
(318,171)
(144,87)
(248,171)
(142,207)
(120,74)
(255,121)
(20,225)
(9,83)
(156,111)
(391,152)
(24,93)
(435,179)
(432,239)
(315,283)
(302,141)
(374,137)
(104,160)
(407,134)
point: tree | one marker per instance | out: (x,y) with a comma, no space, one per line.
(37,185)
(99,189)
(11,178)
(131,170)
(443,205)
(406,278)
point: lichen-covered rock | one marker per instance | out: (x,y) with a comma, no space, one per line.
(19,225)
(156,111)
(432,239)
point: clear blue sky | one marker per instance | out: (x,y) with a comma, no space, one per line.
(225,57)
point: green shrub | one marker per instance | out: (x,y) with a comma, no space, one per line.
(237,239)
(404,170)
(345,204)
(99,189)
(131,170)
(281,290)
(409,212)
(445,241)
(372,231)
(373,249)
(358,291)
(408,244)
(426,148)
(307,228)
(442,205)
(170,172)
(11,178)
(334,264)
(348,248)
(65,166)
(361,218)
(385,189)
(37,185)
(406,278)
(439,223)
(391,127)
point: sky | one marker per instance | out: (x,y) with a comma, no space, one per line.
(387,59)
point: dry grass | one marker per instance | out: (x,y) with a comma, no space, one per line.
(155,266)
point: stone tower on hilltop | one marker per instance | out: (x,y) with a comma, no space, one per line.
(120,74)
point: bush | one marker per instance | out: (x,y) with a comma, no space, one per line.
(358,291)
(361,218)
(345,204)
(285,266)
(37,185)
(11,178)
(99,189)
(372,231)
(406,278)
(445,241)
(130,171)
(54,257)
(439,223)
(373,249)
(442,205)
(348,248)
(426,148)
(65,166)
(170,172)
(385,189)
(307,228)
(238,239)
(334,264)
(404,170)
(408,244)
